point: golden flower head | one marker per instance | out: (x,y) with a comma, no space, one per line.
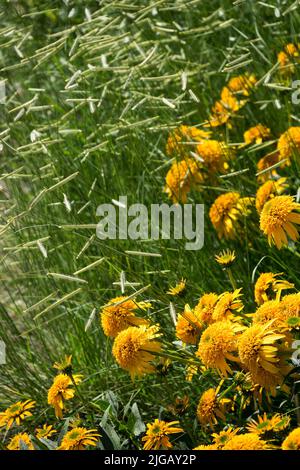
(225,258)
(228,303)
(119,314)
(178,289)
(242,84)
(79,438)
(288,143)
(287,57)
(292,441)
(248,441)
(265,166)
(267,284)
(45,432)
(210,408)
(20,441)
(278,220)
(180,179)
(16,413)
(268,311)
(258,349)
(135,348)
(157,434)
(226,211)
(188,326)
(206,447)
(205,307)
(214,155)
(263,424)
(289,308)
(218,344)
(221,112)
(256,134)
(221,438)
(61,389)
(65,366)
(269,190)
(184,134)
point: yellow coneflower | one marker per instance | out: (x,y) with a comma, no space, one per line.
(180,179)
(65,366)
(256,134)
(45,432)
(19,441)
(218,344)
(119,314)
(188,326)
(269,190)
(247,441)
(178,289)
(210,408)
(61,390)
(206,447)
(226,211)
(223,437)
(278,220)
(258,349)
(16,413)
(79,438)
(268,311)
(133,349)
(286,58)
(288,143)
(263,424)
(175,142)
(205,307)
(292,441)
(266,284)
(266,162)
(289,307)
(214,155)
(157,434)
(225,258)
(228,303)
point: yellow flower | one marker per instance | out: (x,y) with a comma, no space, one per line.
(135,348)
(242,84)
(17,442)
(257,134)
(268,311)
(181,177)
(79,438)
(45,432)
(225,258)
(266,284)
(278,220)
(188,326)
(65,366)
(289,307)
(266,162)
(214,155)
(247,441)
(292,442)
(218,343)
(16,413)
(264,424)
(258,349)
(225,213)
(267,191)
(223,437)
(228,303)
(176,139)
(288,143)
(178,289)
(119,314)
(157,434)
(210,408)
(221,113)
(61,389)
(205,307)
(208,447)
(286,58)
